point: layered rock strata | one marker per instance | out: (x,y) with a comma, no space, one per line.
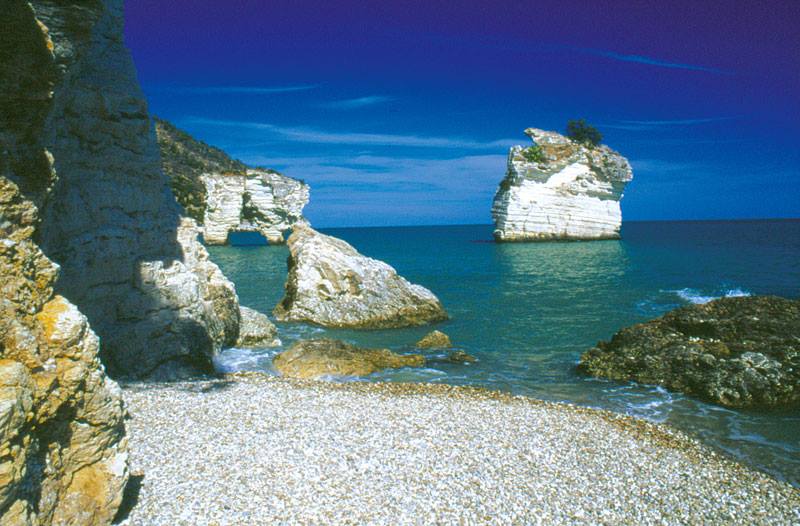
(224,195)
(63,451)
(560,189)
(332,285)
(737,352)
(326,357)
(261,201)
(108,217)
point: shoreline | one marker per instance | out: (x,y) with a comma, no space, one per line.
(406,445)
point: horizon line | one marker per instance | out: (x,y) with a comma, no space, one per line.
(718,220)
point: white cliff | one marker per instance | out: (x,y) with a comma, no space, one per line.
(222,194)
(260,201)
(332,285)
(560,189)
(128,259)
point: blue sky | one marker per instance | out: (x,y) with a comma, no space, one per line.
(403,112)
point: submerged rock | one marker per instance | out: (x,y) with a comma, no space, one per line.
(560,189)
(223,194)
(331,284)
(737,352)
(459,356)
(256,330)
(434,339)
(316,358)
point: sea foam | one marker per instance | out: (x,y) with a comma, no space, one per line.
(698,297)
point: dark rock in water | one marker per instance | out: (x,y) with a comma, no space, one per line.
(460,356)
(738,352)
(316,358)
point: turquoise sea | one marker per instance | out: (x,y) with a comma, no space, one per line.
(527,311)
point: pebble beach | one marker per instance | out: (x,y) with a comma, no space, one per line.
(256,449)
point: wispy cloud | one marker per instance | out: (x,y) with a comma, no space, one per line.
(310,135)
(650,61)
(233,90)
(394,190)
(662,124)
(352,104)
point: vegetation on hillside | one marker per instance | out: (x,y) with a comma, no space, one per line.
(184,160)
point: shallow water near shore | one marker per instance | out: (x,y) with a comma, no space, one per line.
(528,310)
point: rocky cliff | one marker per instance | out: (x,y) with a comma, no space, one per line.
(63,451)
(128,259)
(331,284)
(184,160)
(560,189)
(224,195)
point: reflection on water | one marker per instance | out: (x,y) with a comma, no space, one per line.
(527,311)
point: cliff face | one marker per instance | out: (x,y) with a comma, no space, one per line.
(224,195)
(559,189)
(128,259)
(63,451)
(184,160)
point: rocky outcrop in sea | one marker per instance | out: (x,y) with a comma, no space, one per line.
(63,450)
(560,189)
(326,357)
(260,201)
(738,352)
(224,195)
(332,285)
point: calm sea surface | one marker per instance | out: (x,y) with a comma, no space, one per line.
(527,311)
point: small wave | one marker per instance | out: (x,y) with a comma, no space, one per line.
(235,359)
(698,297)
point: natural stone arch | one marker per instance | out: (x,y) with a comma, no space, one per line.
(261,201)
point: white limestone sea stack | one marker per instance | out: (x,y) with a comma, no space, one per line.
(332,285)
(560,189)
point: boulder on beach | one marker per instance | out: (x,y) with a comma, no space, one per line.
(332,285)
(737,352)
(255,330)
(323,357)
(434,340)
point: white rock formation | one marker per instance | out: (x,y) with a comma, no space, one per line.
(331,284)
(261,201)
(559,189)
(256,330)
(108,217)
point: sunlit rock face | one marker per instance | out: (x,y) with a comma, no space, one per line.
(560,189)
(260,201)
(223,194)
(108,217)
(63,450)
(331,284)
